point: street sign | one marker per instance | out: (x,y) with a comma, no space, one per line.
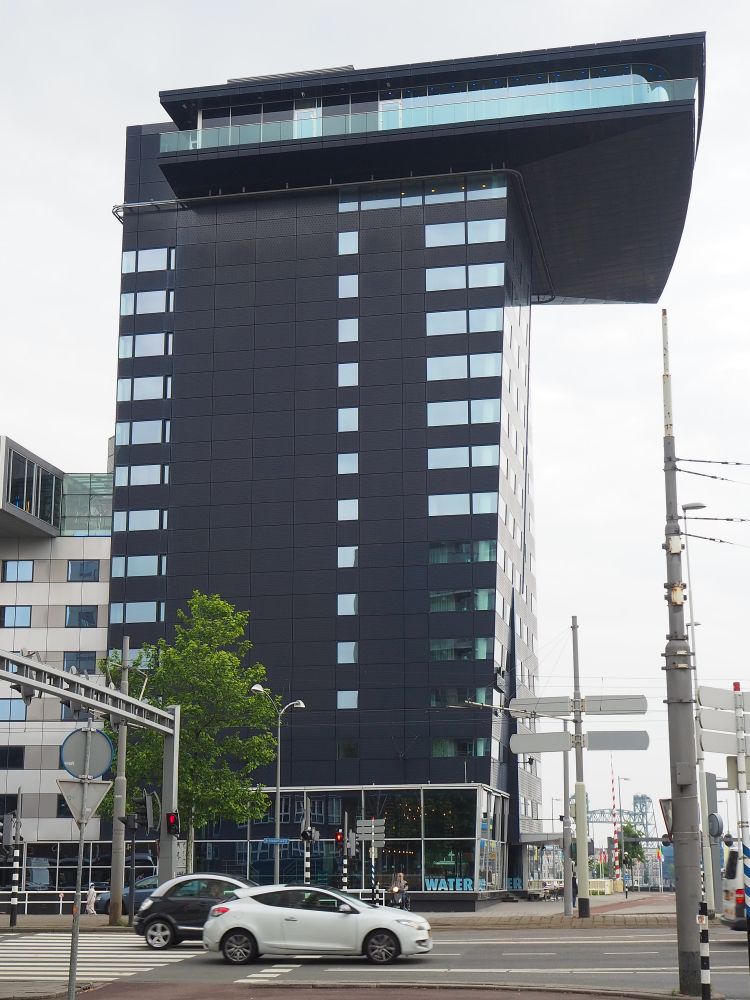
(732,772)
(666,811)
(73,753)
(711,697)
(615,704)
(722,742)
(617,740)
(540,706)
(722,722)
(366,828)
(72,791)
(276,840)
(541,742)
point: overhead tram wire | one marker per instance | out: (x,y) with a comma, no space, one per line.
(710,461)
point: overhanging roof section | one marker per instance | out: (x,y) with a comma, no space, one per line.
(608,184)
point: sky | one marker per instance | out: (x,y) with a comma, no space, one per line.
(76,75)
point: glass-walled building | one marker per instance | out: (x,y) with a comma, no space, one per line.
(324,387)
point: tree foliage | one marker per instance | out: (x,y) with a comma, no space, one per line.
(632,846)
(225,731)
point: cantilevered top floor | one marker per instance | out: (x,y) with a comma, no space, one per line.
(598,140)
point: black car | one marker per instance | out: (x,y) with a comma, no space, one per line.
(178,909)
(143,889)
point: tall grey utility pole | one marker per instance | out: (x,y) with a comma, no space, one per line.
(582,846)
(117,880)
(567,859)
(682,754)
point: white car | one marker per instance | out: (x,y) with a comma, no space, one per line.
(297,919)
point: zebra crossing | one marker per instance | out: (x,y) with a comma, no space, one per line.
(270,973)
(102,958)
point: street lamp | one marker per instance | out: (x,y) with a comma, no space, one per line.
(622,831)
(259,689)
(700,760)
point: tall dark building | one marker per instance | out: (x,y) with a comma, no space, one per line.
(323,400)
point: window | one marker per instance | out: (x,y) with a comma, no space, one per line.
(451,747)
(127,303)
(485,411)
(15,616)
(141,475)
(149,432)
(154,302)
(348,330)
(447,458)
(139,520)
(139,566)
(346,652)
(80,616)
(347,556)
(12,758)
(136,611)
(145,345)
(12,710)
(80,662)
(486,186)
(485,320)
(463,552)
(348,374)
(348,418)
(444,696)
(128,261)
(348,463)
(487,231)
(445,234)
(347,699)
(348,510)
(348,286)
(451,600)
(477,648)
(484,503)
(440,323)
(83,570)
(439,279)
(154,260)
(346,604)
(486,275)
(347,750)
(484,366)
(442,504)
(152,387)
(348,243)
(485,454)
(18,570)
(122,433)
(439,192)
(447,414)
(451,366)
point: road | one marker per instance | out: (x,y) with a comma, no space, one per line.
(599,959)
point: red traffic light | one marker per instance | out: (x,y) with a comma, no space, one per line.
(173,824)
(339,837)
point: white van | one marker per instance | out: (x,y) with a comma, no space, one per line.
(733,892)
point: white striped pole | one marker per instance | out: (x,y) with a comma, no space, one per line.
(15,883)
(704,953)
(615,825)
(306,876)
(345,869)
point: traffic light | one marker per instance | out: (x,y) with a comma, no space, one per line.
(339,838)
(306,833)
(173,824)
(141,812)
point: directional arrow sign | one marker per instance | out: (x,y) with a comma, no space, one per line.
(540,742)
(723,722)
(617,740)
(540,706)
(722,743)
(719,698)
(616,704)
(73,794)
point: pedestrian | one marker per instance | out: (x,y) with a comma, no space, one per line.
(91,900)
(575,890)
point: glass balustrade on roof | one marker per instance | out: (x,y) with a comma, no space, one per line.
(463,107)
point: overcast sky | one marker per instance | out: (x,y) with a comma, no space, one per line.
(76,74)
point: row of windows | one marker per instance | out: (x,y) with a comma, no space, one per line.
(134,612)
(441,697)
(480,599)
(139,520)
(76,616)
(144,303)
(453,234)
(463,411)
(436,192)
(440,279)
(22,571)
(143,432)
(444,747)
(146,387)
(145,345)
(141,475)
(458,458)
(452,366)
(160,259)
(438,324)
(443,650)
(139,566)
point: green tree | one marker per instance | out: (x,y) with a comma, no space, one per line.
(632,846)
(225,731)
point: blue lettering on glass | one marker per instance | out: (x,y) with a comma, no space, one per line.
(449,884)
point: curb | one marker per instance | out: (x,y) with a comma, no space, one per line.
(505,987)
(581,923)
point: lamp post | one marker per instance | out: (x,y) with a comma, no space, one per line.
(708,879)
(622,831)
(259,689)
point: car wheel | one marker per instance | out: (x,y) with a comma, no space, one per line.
(239,948)
(159,935)
(381,948)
